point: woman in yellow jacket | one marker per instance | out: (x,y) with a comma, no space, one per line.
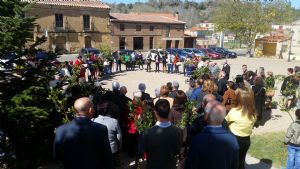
(241,120)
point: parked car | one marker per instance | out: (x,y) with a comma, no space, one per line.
(84,51)
(199,52)
(6,62)
(225,52)
(211,54)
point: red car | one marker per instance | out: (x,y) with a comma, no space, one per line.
(211,54)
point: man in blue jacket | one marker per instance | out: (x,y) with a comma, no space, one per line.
(82,143)
(215,147)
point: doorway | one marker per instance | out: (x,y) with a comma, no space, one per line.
(176,43)
(151,43)
(168,44)
(138,43)
(122,43)
(87,42)
(60,43)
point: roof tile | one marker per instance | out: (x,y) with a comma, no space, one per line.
(145,17)
(75,3)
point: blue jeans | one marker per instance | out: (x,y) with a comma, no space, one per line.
(170,68)
(293,161)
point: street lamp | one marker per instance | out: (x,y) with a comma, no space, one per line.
(290,51)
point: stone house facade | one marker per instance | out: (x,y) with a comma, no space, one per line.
(144,31)
(70,25)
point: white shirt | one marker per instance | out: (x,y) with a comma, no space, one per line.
(163,124)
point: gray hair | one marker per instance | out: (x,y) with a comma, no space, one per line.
(115,85)
(142,87)
(175,85)
(216,112)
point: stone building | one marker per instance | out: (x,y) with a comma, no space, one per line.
(144,31)
(71,24)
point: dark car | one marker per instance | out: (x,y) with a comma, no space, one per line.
(211,54)
(225,52)
(85,51)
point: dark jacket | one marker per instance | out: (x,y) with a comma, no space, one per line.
(222,86)
(259,98)
(82,143)
(161,146)
(226,69)
(214,148)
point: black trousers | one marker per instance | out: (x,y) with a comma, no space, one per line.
(148,67)
(244,143)
(156,67)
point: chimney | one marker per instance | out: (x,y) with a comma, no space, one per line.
(177,15)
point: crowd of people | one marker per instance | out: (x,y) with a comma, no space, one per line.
(219,136)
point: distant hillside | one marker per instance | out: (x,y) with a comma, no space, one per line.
(189,11)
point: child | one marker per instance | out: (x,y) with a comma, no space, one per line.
(292,138)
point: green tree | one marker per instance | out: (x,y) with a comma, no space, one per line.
(247,19)
(26,115)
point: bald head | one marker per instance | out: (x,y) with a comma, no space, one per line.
(215,113)
(208,98)
(84,107)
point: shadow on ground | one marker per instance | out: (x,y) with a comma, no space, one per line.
(263,164)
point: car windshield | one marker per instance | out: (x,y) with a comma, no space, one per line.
(197,51)
(95,51)
(181,52)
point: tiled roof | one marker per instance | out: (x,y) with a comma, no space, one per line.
(197,28)
(145,17)
(76,3)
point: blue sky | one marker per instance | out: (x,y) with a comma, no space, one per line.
(295,3)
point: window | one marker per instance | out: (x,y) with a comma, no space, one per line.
(138,27)
(151,28)
(86,22)
(122,27)
(168,31)
(59,21)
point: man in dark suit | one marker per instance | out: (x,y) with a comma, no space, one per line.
(215,147)
(226,69)
(222,83)
(82,143)
(162,142)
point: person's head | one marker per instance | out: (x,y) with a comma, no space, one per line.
(258,81)
(180,98)
(244,68)
(79,57)
(297,113)
(270,74)
(222,74)
(192,83)
(162,109)
(84,107)
(123,90)
(175,85)
(169,85)
(239,79)
(245,102)
(209,87)
(205,77)
(214,113)
(157,92)
(142,87)
(230,85)
(290,71)
(164,91)
(206,99)
(115,85)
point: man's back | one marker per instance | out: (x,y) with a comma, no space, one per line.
(162,145)
(83,144)
(214,148)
